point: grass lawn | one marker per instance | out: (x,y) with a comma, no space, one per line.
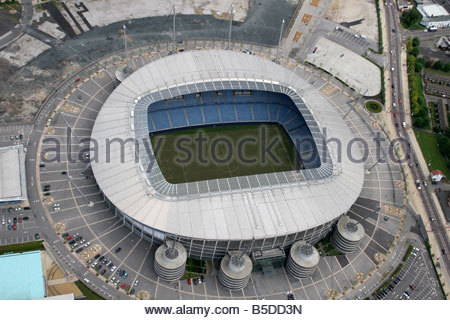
(430,149)
(88,293)
(22,247)
(182,158)
(440,72)
(374,107)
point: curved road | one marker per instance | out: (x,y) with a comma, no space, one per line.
(27,15)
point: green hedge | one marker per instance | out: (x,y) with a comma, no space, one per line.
(380,29)
(22,247)
(88,293)
(408,253)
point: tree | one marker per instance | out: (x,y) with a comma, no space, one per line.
(416,42)
(438,65)
(447,67)
(444,145)
(429,64)
(415,51)
(418,67)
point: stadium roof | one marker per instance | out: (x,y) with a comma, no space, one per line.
(253,207)
(12,174)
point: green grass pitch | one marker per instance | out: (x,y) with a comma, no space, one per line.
(224,153)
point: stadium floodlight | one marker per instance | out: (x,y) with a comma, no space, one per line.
(173,30)
(71,130)
(125,41)
(231,23)
(279,41)
(90,203)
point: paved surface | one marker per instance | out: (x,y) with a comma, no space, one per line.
(27,15)
(437,225)
(336,274)
(360,74)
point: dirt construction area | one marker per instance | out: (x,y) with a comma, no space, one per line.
(358,15)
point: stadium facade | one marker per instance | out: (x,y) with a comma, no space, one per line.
(213,217)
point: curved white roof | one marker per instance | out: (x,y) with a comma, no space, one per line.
(248,207)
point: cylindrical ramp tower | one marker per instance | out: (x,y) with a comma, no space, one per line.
(347,235)
(303,260)
(170,261)
(235,270)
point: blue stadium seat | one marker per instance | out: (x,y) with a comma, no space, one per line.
(299,134)
(260,96)
(242,98)
(284,99)
(260,111)
(244,112)
(161,119)
(226,97)
(211,113)
(273,111)
(171,104)
(158,105)
(191,101)
(151,128)
(273,98)
(210,97)
(285,114)
(178,117)
(227,112)
(194,115)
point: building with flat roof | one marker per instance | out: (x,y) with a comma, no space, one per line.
(434,16)
(13,188)
(21,276)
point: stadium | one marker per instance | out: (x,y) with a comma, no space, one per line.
(217,208)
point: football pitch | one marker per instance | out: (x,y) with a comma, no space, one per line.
(223,151)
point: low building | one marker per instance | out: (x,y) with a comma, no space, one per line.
(404,5)
(13,188)
(434,16)
(437,176)
(21,276)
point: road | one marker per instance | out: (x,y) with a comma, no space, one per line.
(395,38)
(27,15)
(55,246)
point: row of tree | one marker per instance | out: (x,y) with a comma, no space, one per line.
(419,108)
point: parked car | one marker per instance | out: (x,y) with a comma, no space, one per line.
(25,218)
(15,220)
(36,236)
(97,256)
(79,250)
(103,272)
(123,286)
(118,250)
